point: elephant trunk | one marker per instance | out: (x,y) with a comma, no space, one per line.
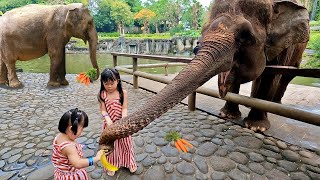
(214,57)
(93,40)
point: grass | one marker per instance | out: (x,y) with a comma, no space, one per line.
(314,39)
(314,23)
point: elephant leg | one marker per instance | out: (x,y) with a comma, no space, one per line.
(11,72)
(55,59)
(3,73)
(263,88)
(62,70)
(282,87)
(231,110)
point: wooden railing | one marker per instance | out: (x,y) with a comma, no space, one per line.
(275,108)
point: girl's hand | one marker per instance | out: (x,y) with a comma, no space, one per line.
(98,155)
(108,121)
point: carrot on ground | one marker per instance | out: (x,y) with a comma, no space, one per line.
(177,146)
(182,146)
(186,142)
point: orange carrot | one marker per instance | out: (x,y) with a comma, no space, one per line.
(177,146)
(82,79)
(186,142)
(87,81)
(182,146)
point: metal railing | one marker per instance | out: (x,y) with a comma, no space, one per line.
(275,108)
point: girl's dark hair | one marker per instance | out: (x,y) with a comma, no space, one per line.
(110,74)
(74,118)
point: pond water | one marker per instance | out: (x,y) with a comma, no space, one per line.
(76,63)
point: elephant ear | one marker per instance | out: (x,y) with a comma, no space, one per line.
(289,25)
(73,17)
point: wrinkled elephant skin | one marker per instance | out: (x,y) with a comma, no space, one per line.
(34,30)
(241,37)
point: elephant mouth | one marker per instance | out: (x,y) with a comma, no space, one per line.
(222,79)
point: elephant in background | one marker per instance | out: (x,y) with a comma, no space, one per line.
(34,30)
(239,39)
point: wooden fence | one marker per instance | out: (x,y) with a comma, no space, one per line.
(267,106)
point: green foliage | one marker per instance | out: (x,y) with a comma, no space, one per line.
(314,23)
(107,35)
(314,40)
(102,18)
(176,29)
(1,13)
(314,43)
(190,33)
(172,136)
(91,73)
(120,13)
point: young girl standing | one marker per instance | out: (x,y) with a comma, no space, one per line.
(113,101)
(67,156)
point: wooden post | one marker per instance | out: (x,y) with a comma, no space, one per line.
(192,101)
(134,68)
(115,61)
(166,69)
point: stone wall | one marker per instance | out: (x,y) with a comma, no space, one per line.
(177,45)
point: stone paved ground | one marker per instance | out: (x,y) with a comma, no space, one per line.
(222,150)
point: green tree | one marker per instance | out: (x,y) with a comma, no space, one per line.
(135,5)
(121,14)
(159,8)
(102,17)
(1,13)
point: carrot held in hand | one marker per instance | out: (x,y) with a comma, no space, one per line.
(186,142)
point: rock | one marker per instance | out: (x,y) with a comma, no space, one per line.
(221,164)
(207,149)
(238,157)
(185,168)
(168,168)
(140,157)
(154,173)
(290,155)
(45,173)
(237,174)
(201,164)
(256,157)
(248,142)
(169,151)
(275,174)
(289,166)
(218,175)
(298,176)
(257,168)
(281,145)
(8,175)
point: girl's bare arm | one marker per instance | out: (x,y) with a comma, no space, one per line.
(75,160)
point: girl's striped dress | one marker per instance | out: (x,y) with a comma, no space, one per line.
(123,154)
(64,170)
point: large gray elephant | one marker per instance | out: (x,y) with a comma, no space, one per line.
(34,30)
(239,39)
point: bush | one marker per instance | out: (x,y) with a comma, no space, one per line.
(314,44)
(106,35)
(314,23)
(176,29)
